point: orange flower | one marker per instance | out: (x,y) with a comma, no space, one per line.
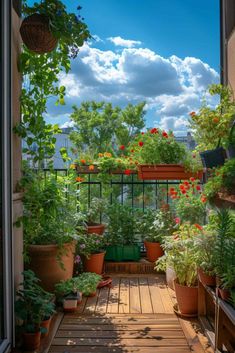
(203,199)
(100,155)
(79,179)
(83,161)
(107,154)
(91,167)
(216,120)
(198,226)
(192,113)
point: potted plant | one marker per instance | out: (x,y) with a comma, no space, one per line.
(33,304)
(92,248)
(154,226)
(189,201)
(122,235)
(49,222)
(161,157)
(94,212)
(68,294)
(48,24)
(181,255)
(88,282)
(220,186)
(212,126)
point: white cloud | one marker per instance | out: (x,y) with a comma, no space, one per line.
(121,42)
(67,124)
(171,87)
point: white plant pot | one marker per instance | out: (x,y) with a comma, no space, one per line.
(170,277)
(70,304)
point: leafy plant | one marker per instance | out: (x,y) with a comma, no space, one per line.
(121,229)
(95,210)
(88,244)
(189,202)
(155,225)
(221,180)
(33,304)
(87,282)
(204,246)
(212,126)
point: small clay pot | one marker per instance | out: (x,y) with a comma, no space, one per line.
(94,263)
(153,251)
(224,294)
(46,325)
(31,341)
(95,228)
(206,280)
(187,298)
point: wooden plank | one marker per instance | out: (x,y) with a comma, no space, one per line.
(98,349)
(109,316)
(82,305)
(102,301)
(166,299)
(110,327)
(155,296)
(121,321)
(191,336)
(90,304)
(124,296)
(113,299)
(145,333)
(145,299)
(135,306)
(180,342)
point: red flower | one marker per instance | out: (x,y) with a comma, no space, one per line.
(127,172)
(132,151)
(192,179)
(198,187)
(154,130)
(203,199)
(183,191)
(83,161)
(198,226)
(177,220)
(122,147)
(186,183)
(172,190)
(164,134)
(141,143)
(142,133)
(182,187)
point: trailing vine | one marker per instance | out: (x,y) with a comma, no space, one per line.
(41,78)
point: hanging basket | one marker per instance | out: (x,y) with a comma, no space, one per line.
(36,34)
(165,172)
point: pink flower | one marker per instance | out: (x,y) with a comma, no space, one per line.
(177,220)
(77,259)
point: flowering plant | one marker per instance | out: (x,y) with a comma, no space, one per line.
(155,225)
(181,255)
(212,126)
(190,203)
(88,244)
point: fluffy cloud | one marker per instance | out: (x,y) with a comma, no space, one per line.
(171,87)
(120,42)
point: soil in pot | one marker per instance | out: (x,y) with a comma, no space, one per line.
(95,263)
(31,341)
(45,324)
(207,280)
(187,299)
(44,262)
(94,228)
(153,251)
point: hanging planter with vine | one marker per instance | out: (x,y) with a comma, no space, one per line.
(48,23)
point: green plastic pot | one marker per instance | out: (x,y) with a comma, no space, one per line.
(123,253)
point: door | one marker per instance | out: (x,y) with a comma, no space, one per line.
(6,291)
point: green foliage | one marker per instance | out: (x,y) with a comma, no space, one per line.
(222,180)
(121,229)
(94,211)
(49,217)
(88,244)
(204,245)
(189,202)
(33,304)
(41,76)
(212,126)
(99,126)
(87,282)
(155,225)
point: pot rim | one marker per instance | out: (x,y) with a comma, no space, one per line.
(176,282)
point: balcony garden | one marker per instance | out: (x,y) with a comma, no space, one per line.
(130,193)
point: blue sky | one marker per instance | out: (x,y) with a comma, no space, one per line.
(162,52)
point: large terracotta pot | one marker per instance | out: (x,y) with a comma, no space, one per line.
(46,265)
(153,250)
(205,279)
(31,341)
(187,298)
(95,263)
(95,229)
(170,277)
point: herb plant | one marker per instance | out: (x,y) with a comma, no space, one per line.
(88,244)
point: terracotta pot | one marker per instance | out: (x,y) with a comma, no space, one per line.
(187,298)
(31,341)
(46,325)
(170,277)
(153,250)
(36,34)
(95,263)
(165,172)
(224,294)
(44,262)
(95,228)
(205,279)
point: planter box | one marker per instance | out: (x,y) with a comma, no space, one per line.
(84,169)
(123,253)
(165,172)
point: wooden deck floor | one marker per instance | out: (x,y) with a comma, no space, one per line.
(135,315)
